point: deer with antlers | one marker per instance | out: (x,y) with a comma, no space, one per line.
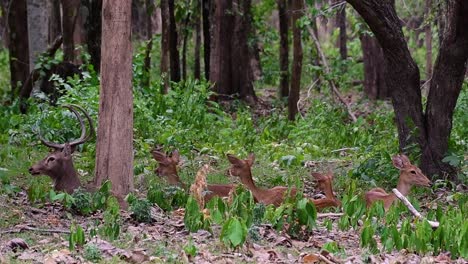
(277,195)
(409,175)
(168,169)
(58,164)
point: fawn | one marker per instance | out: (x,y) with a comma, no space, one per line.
(409,175)
(276,195)
(58,165)
(168,169)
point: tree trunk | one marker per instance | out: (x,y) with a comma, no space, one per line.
(164,64)
(38,29)
(185,32)
(206,10)
(341,23)
(55,21)
(70,11)
(18,44)
(230,68)
(297,61)
(428,41)
(197,67)
(174,61)
(149,46)
(93,29)
(114,148)
(446,83)
(374,68)
(284,48)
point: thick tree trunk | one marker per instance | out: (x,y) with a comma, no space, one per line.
(18,45)
(206,10)
(164,64)
(341,23)
(375,86)
(402,73)
(197,67)
(284,48)
(38,29)
(297,61)
(70,11)
(114,149)
(446,83)
(230,68)
(174,61)
(93,29)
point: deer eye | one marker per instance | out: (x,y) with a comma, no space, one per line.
(413,172)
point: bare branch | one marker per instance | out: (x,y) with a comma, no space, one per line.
(412,209)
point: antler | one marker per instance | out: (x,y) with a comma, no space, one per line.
(84,136)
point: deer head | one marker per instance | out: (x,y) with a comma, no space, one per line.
(409,174)
(242,169)
(58,164)
(325,183)
(168,166)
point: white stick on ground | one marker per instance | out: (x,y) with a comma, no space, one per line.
(412,209)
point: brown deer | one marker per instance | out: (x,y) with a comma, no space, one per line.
(276,195)
(58,164)
(168,169)
(409,175)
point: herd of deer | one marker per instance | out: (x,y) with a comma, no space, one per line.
(58,165)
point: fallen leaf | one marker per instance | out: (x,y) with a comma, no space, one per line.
(310,258)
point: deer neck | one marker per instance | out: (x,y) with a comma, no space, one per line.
(249,183)
(403,187)
(66,179)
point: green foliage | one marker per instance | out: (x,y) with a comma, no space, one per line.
(167,199)
(92,253)
(234,232)
(111,226)
(190,249)
(140,208)
(77,236)
(194,219)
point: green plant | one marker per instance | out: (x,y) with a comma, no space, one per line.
(92,253)
(76,237)
(111,217)
(194,219)
(233,232)
(140,208)
(190,249)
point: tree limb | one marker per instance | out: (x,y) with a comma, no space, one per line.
(412,209)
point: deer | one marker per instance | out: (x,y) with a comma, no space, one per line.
(168,169)
(58,164)
(410,175)
(276,195)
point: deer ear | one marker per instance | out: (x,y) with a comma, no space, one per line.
(251,159)
(159,156)
(398,162)
(405,160)
(234,160)
(175,156)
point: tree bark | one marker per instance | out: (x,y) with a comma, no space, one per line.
(70,11)
(297,60)
(428,41)
(197,67)
(18,45)
(174,60)
(38,29)
(341,23)
(114,148)
(375,86)
(284,48)
(446,83)
(149,46)
(185,32)
(206,10)
(164,64)
(93,29)
(55,21)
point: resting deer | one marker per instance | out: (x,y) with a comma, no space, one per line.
(276,195)
(409,175)
(168,169)
(58,165)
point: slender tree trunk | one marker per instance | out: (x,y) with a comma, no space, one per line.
(18,44)
(38,26)
(197,68)
(284,48)
(428,41)
(297,61)
(149,46)
(70,10)
(55,21)
(93,29)
(375,86)
(174,61)
(185,32)
(341,23)
(164,66)
(206,10)
(114,148)
(446,83)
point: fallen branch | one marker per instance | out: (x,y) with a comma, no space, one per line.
(329,215)
(327,69)
(324,259)
(412,209)
(28,228)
